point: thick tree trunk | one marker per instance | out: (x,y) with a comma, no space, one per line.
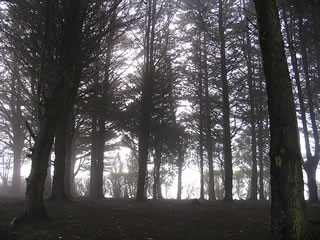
(288,207)
(225,110)
(34,205)
(58,181)
(62,138)
(97,151)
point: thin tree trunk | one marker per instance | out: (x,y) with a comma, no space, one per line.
(72,172)
(201,120)
(260,142)
(288,215)
(208,127)
(69,155)
(180,163)
(157,165)
(254,171)
(100,155)
(312,161)
(225,110)
(310,165)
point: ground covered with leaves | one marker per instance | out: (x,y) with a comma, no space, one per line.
(125,219)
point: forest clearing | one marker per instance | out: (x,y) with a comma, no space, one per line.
(128,219)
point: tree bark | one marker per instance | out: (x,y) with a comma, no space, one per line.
(288,217)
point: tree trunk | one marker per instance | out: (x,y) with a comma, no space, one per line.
(208,126)
(312,160)
(180,163)
(225,110)
(100,156)
(72,173)
(260,142)
(96,172)
(34,205)
(288,215)
(254,171)
(17,128)
(69,156)
(313,195)
(58,181)
(18,143)
(62,138)
(157,164)
(146,102)
(201,137)
(48,182)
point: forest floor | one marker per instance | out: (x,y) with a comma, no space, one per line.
(125,219)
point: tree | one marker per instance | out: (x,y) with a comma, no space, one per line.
(299,42)
(146,101)
(158,15)
(288,217)
(13,119)
(63,43)
(102,101)
(252,115)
